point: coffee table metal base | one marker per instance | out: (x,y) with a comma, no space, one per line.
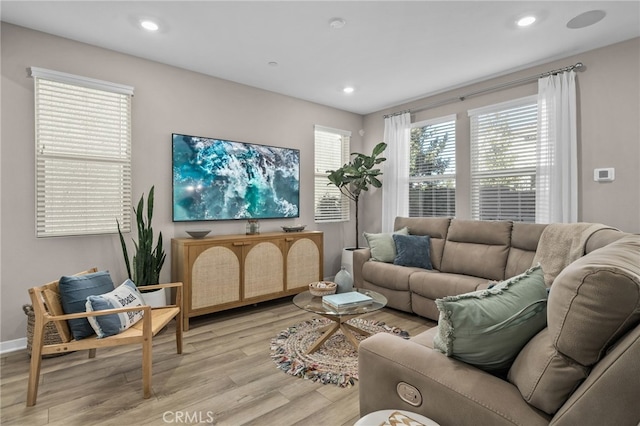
(339,323)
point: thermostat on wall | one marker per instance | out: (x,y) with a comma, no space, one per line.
(604,175)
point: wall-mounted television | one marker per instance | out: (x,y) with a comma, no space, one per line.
(219,179)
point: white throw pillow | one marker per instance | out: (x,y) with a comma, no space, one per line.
(125,295)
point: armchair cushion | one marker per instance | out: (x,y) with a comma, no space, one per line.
(487,328)
(125,295)
(74,291)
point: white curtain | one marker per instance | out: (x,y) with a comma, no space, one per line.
(395,178)
(557,156)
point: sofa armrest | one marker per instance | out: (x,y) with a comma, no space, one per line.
(452,392)
(360,257)
(610,394)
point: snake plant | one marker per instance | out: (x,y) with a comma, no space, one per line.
(147,260)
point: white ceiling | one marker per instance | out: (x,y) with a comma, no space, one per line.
(389,51)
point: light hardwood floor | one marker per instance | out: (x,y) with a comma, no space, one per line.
(225,376)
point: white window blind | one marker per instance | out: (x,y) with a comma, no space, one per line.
(83,155)
(432,168)
(503,160)
(331,153)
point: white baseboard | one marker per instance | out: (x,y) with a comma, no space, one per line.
(13,345)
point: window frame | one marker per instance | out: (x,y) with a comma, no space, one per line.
(526,144)
(452,177)
(324,160)
(82,155)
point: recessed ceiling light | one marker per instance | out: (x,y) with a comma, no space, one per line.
(272,63)
(348,89)
(336,23)
(149,25)
(526,21)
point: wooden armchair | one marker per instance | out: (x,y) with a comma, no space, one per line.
(47,307)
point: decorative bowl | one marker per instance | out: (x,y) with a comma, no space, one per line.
(200,233)
(322,288)
(294,228)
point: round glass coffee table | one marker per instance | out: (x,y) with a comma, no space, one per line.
(311,303)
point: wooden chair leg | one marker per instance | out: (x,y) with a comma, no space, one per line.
(36,361)
(179,333)
(147,356)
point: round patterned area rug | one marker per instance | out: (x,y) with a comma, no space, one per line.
(335,362)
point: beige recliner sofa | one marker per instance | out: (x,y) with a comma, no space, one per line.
(582,369)
(466,255)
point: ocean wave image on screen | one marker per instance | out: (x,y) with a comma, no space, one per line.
(216,179)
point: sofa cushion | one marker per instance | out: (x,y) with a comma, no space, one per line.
(592,302)
(544,377)
(435,227)
(413,250)
(426,337)
(437,286)
(477,248)
(388,275)
(123,296)
(74,291)
(487,328)
(383,248)
(524,242)
(396,299)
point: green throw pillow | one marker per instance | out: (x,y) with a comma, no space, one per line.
(488,328)
(383,249)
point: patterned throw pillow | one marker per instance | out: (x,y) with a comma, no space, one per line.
(125,295)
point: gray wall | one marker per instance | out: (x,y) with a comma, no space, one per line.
(167,99)
(608,133)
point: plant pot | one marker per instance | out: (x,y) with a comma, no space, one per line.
(347,259)
(155,298)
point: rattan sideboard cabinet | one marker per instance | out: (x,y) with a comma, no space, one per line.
(227,271)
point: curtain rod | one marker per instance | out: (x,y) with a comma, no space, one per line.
(577,67)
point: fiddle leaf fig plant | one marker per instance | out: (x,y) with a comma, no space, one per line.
(147,260)
(358,175)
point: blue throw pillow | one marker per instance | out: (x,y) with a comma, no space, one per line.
(124,296)
(74,291)
(413,250)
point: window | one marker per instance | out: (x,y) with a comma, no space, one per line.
(503,161)
(331,153)
(83,155)
(432,168)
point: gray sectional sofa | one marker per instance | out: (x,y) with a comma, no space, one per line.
(582,367)
(466,255)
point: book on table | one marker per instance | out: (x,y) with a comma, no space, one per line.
(350,299)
